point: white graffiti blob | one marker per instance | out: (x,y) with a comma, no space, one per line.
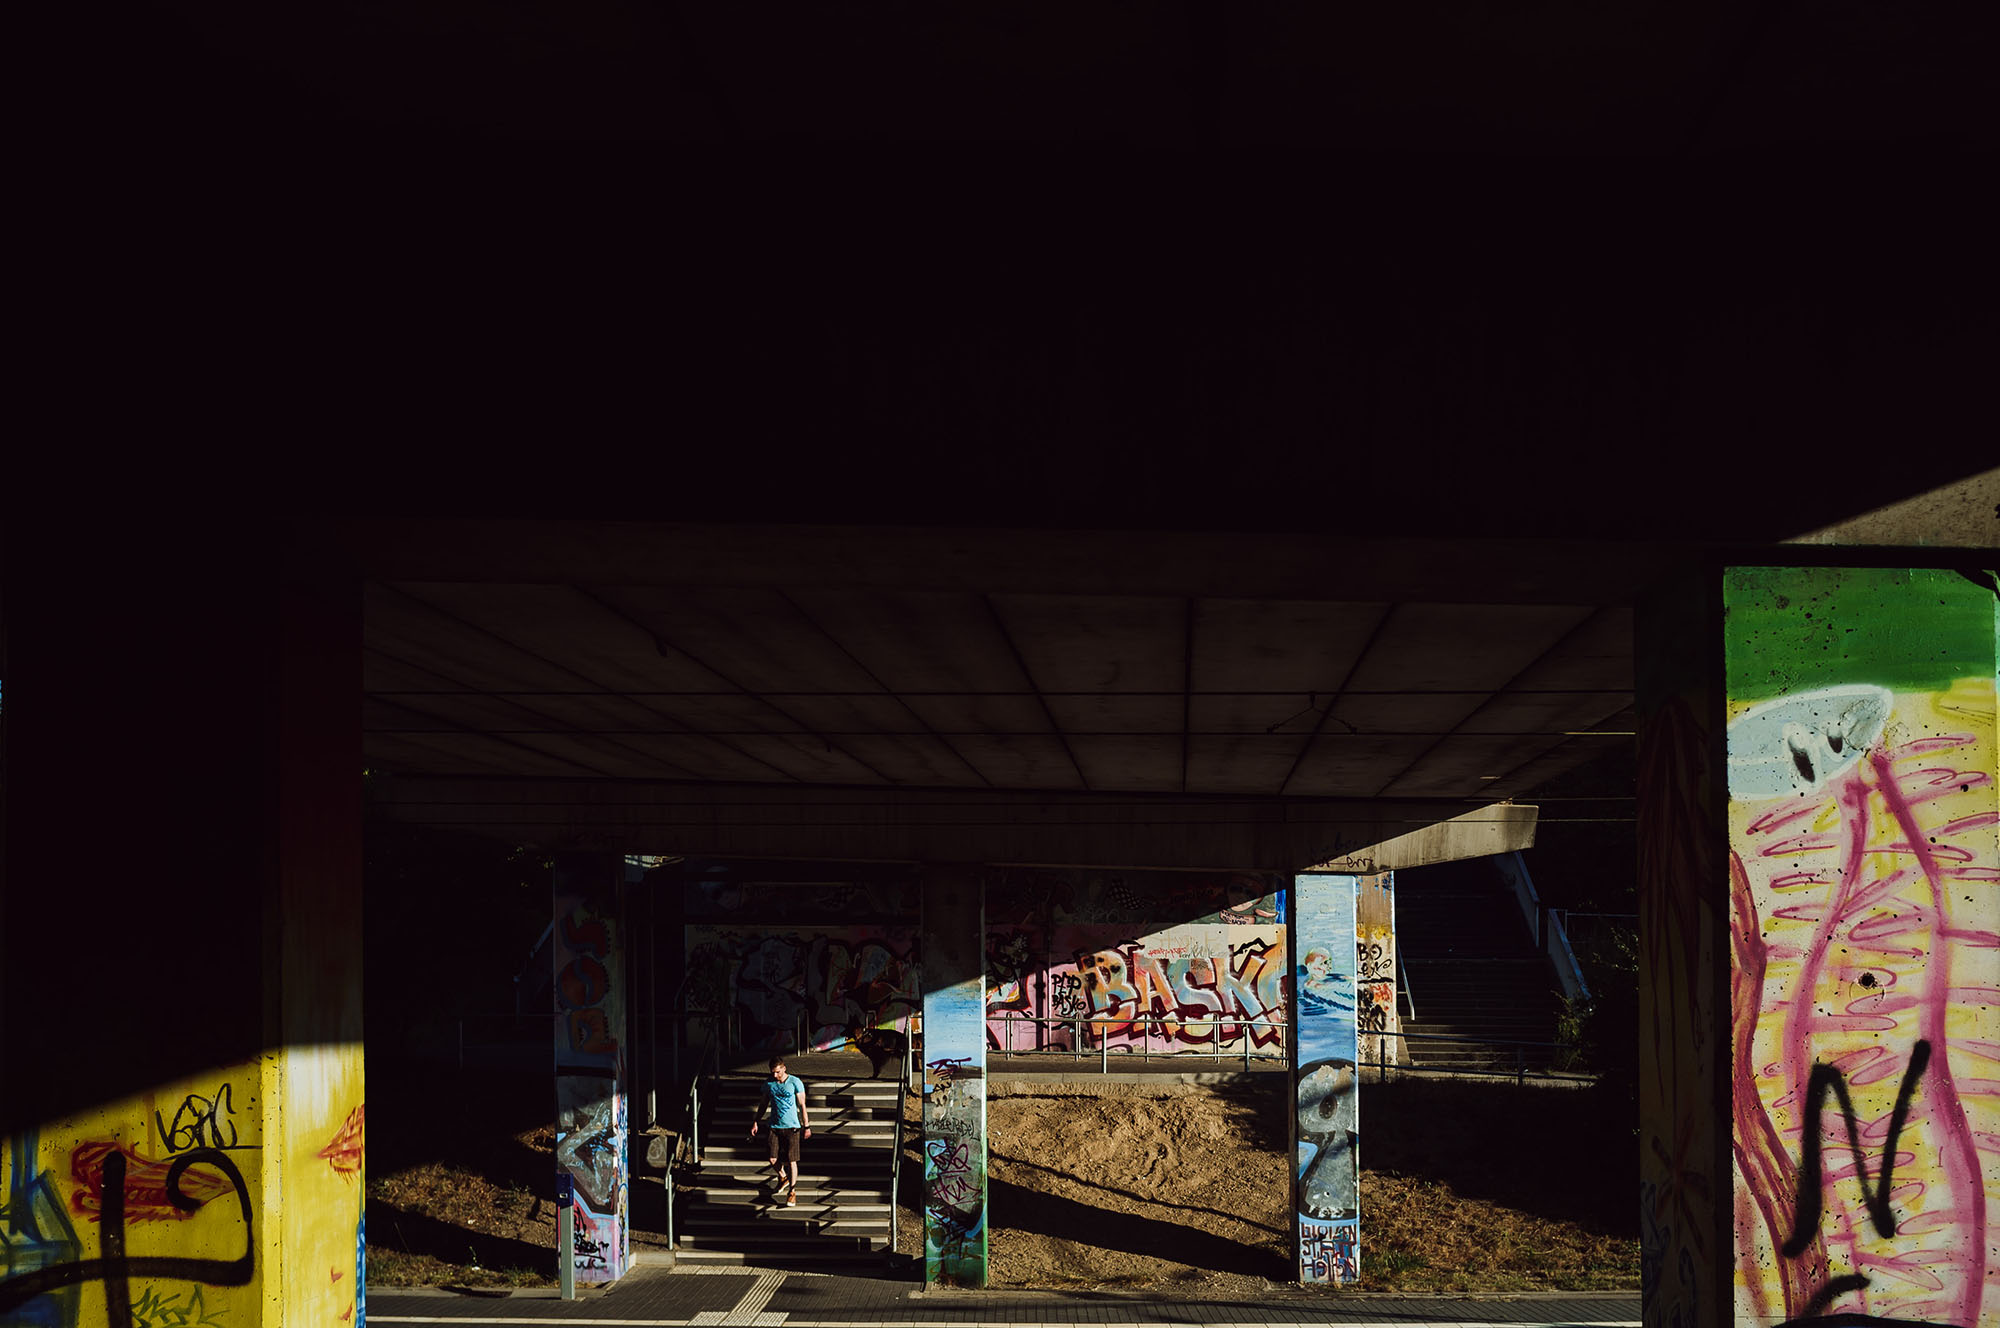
(1796,743)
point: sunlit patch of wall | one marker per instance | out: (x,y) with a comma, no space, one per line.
(167,1210)
(1864,892)
(1376,1012)
(1163,963)
(1326,1181)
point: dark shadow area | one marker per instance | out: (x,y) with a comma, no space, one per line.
(1066,1219)
(470,1119)
(393,1228)
(1012,1160)
(1555,1153)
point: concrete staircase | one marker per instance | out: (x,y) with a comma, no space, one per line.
(1474,970)
(732,1209)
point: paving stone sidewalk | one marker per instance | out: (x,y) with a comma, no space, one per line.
(776,1298)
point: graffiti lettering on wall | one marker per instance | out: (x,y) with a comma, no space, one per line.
(202,1122)
(1327,1177)
(835,983)
(114,1267)
(1864,850)
(1329,1251)
(1197,990)
(1154,961)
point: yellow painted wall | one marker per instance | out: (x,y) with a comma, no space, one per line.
(289,1123)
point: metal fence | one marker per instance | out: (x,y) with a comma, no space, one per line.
(1512,1059)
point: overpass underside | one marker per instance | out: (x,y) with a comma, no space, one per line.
(1816,801)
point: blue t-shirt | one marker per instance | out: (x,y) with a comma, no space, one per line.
(785,1100)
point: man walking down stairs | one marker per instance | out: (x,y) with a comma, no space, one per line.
(734,1210)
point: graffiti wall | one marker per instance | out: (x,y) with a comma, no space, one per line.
(1160,962)
(592,1130)
(954,1014)
(156,1212)
(1864,855)
(803,964)
(1327,1178)
(1376,1015)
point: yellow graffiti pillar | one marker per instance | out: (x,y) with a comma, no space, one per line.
(1820,982)
(183,1108)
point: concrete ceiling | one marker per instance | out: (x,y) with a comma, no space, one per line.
(1130,698)
(874,658)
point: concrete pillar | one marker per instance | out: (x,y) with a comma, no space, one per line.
(183,1133)
(592,1113)
(954,986)
(1326,1185)
(1820,968)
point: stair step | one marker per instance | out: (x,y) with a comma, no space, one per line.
(771,1244)
(870,1163)
(716,1257)
(809,1195)
(783,1222)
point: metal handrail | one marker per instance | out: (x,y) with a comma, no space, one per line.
(1402,971)
(896,1168)
(1520,1070)
(707,1066)
(1078,1042)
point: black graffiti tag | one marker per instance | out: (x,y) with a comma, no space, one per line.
(116,1269)
(201,1122)
(1826,1078)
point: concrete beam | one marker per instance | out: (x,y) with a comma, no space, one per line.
(1071,562)
(1001,827)
(1501,828)
(1964,515)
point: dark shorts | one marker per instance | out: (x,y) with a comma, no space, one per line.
(785,1142)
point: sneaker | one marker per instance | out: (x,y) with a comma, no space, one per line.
(791,1198)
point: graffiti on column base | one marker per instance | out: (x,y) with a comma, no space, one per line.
(1329,1252)
(144,1192)
(115,1268)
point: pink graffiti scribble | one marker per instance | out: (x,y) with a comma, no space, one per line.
(1872,930)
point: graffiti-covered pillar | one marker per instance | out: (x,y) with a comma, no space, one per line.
(591,1107)
(1820,855)
(1326,1176)
(954,985)
(183,1093)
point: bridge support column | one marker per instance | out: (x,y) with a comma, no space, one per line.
(183,1094)
(1819,839)
(1326,1176)
(592,1122)
(954,987)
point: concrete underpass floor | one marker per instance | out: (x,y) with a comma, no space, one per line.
(656,1294)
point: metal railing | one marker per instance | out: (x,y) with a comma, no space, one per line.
(1545,925)
(1105,1025)
(1519,1073)
(707,1067)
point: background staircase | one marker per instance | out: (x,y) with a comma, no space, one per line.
(732,1210)
(1474,969)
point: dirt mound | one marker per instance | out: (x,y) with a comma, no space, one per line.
(1464,1187)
